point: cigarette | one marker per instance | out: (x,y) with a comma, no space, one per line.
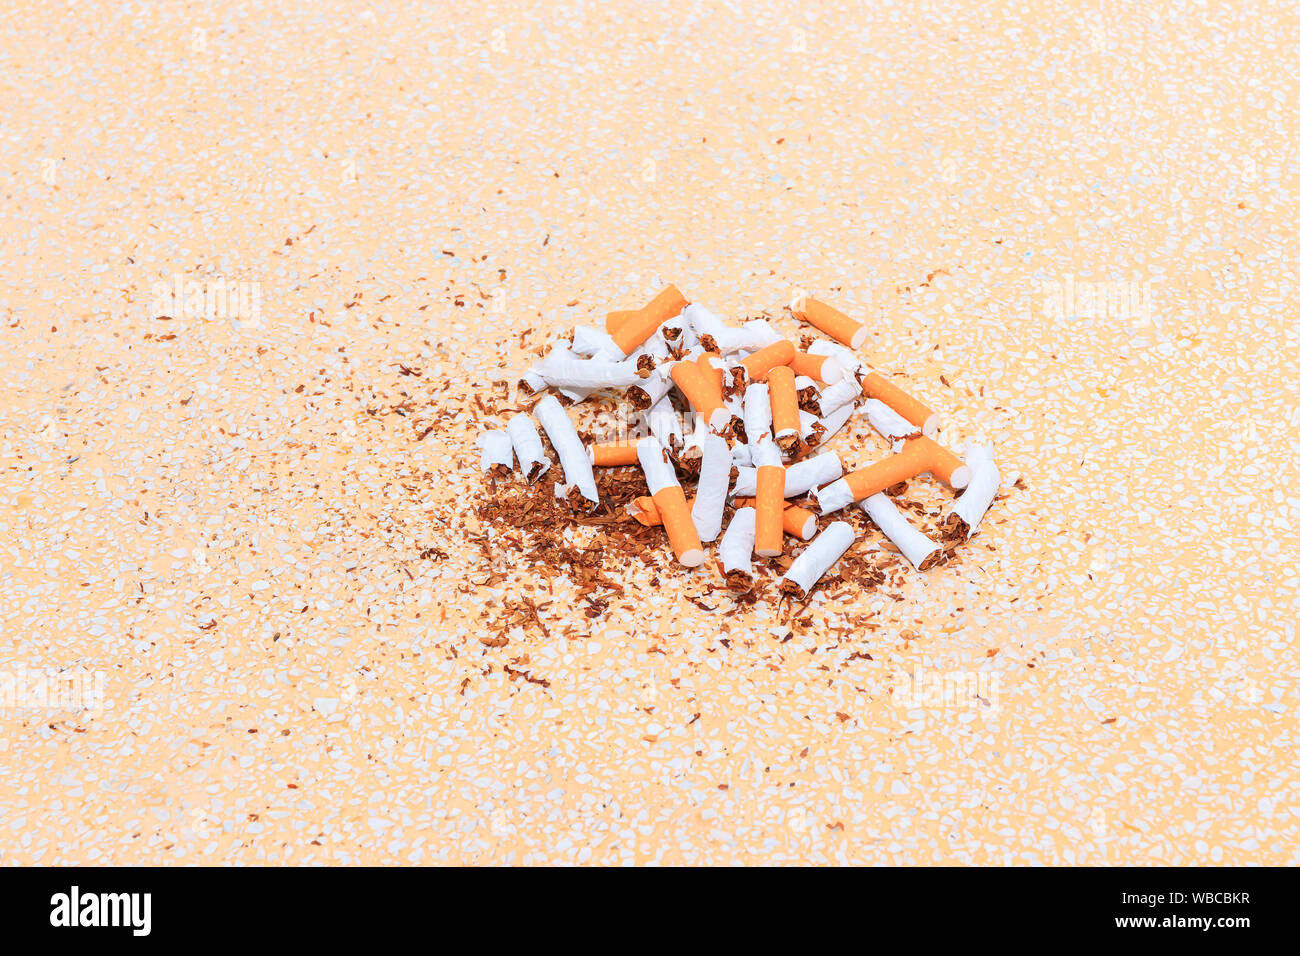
(702,390)
(741,454)
(760,364)
(820,368)
(888,422)
(846,359)
(644,510)
(769,500)
(919,455)
(974,502)
(835,397)
(875,386)
(567,444)
(589,374)
(648,391)
(736,549)
(671,502)
(590,342)
(757,413)
(678,334)
(785,410)
(803,476)
(531,383)
(730,382)
(528,447)
(833,322)
(810,429)
(613,453)
(816,559)
(498,453)
(916,547)
(833,422)
(635,329)
(711,489)
(716,336)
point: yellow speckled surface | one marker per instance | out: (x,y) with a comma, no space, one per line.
(1082,216)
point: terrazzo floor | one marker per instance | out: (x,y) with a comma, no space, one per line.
(1071,225)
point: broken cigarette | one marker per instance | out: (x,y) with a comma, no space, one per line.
(836,420)
(711,488)
(833,322)
(803,476)
(920,415)
(916,547)
(716,336)
(644,510)
(671,502)
(820,368)
(918,456)
(702,390)
(816,559)
(588,374)
(888,422)
(969,511)
(834,397)
(592,342)
(758,365)
(785,409)
(795,521)
(769,500)
(613,453)
(632,331)
(757,413)
(528,447)
(736,550)
(567,444)
(498,453)
(648,391)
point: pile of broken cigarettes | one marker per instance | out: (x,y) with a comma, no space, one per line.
(763,413)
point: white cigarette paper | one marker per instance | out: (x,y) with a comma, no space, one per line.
(746,485)
(528,447)
(532,383)
(497,449)
(836,420)
(567,444)
(711,489)
(806,422)
(984,483)
(728,339)
(651,390)
(803,476)
(845,358)
(741,455)
(766,455)
(916,547)
(658,470)
(758,413)
(737,547)
(888,422)
(833,497)
(590,342)
(664,423)
(589,374)
(835,397)
(817,558)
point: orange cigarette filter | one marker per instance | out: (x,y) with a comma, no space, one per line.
(769,511)
(644,510)
(785,405)
(611,453)
(922,416)
(796,521)
(615,319)
(758,365)
(710,369)
(808,365)
(942,463)
(676,517)
(799,522)
(833,322)
(702,391)
(634,330)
